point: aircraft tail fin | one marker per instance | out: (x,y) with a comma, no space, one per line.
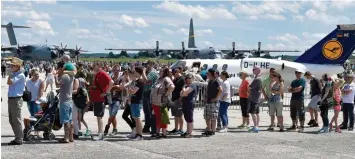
(335,48)
(191,42)
(10,32)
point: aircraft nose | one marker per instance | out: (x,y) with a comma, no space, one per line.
(53,55)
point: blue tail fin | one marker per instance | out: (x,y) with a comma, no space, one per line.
(335,48)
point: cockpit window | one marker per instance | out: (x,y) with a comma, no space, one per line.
(225,67)
(215,66)
(181,64)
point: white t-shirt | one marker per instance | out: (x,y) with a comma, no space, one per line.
(348,98)
(33,87)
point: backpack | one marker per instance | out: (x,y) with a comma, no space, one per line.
(80,98)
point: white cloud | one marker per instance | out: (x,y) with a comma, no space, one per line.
(147,44)
(298,18)
(198,32)
(78,31)
(342,4)
(32,15)
(134,22)
(320,5)
(173,25)
(167,31)
(137,31)
(314,35)
(325,18)
(46,1)
(212,12)
(114,26)
(41,27)
(273,10)
(288,38)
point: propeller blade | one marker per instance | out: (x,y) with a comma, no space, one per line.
(79,48)
(61,45)
(259,46)
(65,47)
(183,45)
(76,47)
(157,45)
(233,46)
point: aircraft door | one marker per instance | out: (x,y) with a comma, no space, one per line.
(196,64)
(224,67)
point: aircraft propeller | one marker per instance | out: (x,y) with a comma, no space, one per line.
(61,50)
(183,51)
(157,51)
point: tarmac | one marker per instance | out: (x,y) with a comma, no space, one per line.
(236,143)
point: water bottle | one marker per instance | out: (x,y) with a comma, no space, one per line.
(109,98)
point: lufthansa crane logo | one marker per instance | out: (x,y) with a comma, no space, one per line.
(332,49)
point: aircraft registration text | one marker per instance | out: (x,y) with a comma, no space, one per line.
(262,65)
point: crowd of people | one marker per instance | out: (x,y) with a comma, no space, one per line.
(157,89)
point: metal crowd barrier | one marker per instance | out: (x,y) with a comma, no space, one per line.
(235,105)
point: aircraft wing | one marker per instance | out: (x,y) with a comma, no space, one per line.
(163,50)
(7,48)
(250,51)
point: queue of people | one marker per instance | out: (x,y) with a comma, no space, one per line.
(95,86)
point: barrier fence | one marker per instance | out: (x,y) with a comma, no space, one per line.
(200,101)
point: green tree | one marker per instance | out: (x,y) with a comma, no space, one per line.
(124,54)
(111,55)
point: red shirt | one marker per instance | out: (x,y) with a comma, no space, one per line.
(243,89)
(103,80)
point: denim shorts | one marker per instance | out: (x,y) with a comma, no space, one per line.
(113,108)
(65,112)
(136,110)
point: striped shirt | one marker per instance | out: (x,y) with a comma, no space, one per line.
(153,77)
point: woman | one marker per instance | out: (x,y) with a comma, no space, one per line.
(327,96)
(136,93)
(243,98)
(81,112)
(49,79)
(275,100)
(127,115)
(36,87)
(224,101)
(160,95)
(337,107)
(188,94)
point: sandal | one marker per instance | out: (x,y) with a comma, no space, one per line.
(63,141)
(154,135)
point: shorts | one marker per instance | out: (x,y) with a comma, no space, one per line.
(65,112)
(113,108)
(136,110)
(99,109)
(313,103)
(176,108)
(253,108)
(275,108)
(337,108)
(297,108)
(188,111)
(244,107)
(211,111)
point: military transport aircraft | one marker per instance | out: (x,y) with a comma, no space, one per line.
(326,56)
(35,52)
(192,52)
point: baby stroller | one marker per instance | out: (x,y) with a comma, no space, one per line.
(46,122)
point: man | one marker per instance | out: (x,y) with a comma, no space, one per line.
(267,93)
(315,98)
(297,101)
(16,82)
(116,100)
(101,87)
(214,91)
(65,100)
(219,122)
(176,109)
(254,98)
(348,92)
(150,76)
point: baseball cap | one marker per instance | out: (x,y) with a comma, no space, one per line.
(42,100)
(69,67)
(299,71)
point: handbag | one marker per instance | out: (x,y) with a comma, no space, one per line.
(164,98)
(26,95)
(105,97)
(165,115)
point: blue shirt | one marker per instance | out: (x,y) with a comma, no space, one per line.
(296,83)
(18,84)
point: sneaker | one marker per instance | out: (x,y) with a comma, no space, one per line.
(207,133)
(293,127)
(146,130)
(254,130)
(311,122)
(314,125)
(80,133)
(100,136)
(184,134)
(324,130)
(138,138)
(88,132)
(338,130)
(223,130)
(180,132)
(321,130)
(174,131)
(242,126)
(133,134)
(282,130)
(271,128)
(351,129)
(219,128)
(343,127)
(114,132)
(301,129)
(107,127)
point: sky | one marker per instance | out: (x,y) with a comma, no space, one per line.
(291,25)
